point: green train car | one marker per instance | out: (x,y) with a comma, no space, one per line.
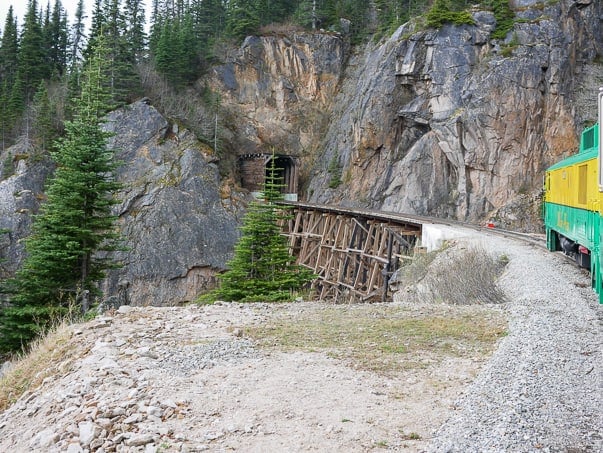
(573,204)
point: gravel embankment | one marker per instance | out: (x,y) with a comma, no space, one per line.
(542,389)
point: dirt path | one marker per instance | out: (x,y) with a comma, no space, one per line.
(188,379)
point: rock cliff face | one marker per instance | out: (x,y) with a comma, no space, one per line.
(448,123)
(451,123)
(177,222)
(21,190)
(178,225)
(277,91)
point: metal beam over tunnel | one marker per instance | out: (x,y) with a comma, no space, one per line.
(353,252)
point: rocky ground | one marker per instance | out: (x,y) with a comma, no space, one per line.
(191,379)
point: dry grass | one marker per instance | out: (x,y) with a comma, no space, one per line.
(281,29)
(469,277)
(455,275)
(49,356)
(383,338)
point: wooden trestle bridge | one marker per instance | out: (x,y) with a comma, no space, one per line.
(353,252)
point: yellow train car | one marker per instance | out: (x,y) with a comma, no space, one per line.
(573,204)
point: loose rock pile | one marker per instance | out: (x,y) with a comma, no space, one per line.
(108,402)
(186,379)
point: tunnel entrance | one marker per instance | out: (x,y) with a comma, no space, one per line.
(254,168)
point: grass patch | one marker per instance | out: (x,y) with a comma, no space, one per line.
(49,356)
(410,436)
(382,338)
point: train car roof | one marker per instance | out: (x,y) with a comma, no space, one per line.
(575,159)
(588,139)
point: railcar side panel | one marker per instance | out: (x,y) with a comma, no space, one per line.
(579,225)
(574,185)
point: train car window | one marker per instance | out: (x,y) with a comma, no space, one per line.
(582,184)
(588,139)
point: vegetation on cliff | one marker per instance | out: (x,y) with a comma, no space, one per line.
(74,224)
(42,64)
(46,52)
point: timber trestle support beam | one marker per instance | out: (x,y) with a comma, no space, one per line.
(353,252)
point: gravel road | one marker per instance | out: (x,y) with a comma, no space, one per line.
(542,389)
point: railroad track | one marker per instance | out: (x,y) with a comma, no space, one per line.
(339,242)
(538,240)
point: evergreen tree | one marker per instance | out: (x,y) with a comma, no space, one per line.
(156,26)
(209,18)
(16,103)
(262,268)
(134,33)
(356,11)
(32,65)
(504,15)
(9,49)
(43,128)
(62,264)
(5,123)
(306,14)
(57,40)
(270,11)
(11,91)
(317,14)
(447,11)
(242,18)
(109,26)
(187,52)
(392,14)
(175,54)
(164,57)
(96,28)
(77,36)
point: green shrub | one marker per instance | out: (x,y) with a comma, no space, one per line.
(505,18)
(335,172)
(443,11)
(262,270)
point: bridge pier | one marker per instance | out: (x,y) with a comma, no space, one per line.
(353,252)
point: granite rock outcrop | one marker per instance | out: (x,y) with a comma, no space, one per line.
(455,124)
(178,222)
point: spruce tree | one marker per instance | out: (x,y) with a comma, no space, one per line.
(9,49)
(32,64)
(77,37)
(57,40)
(43,128)
(62,263)
(242,19)
(110,25)
(135,34)
(209,18)
(262,269)
(15,104)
